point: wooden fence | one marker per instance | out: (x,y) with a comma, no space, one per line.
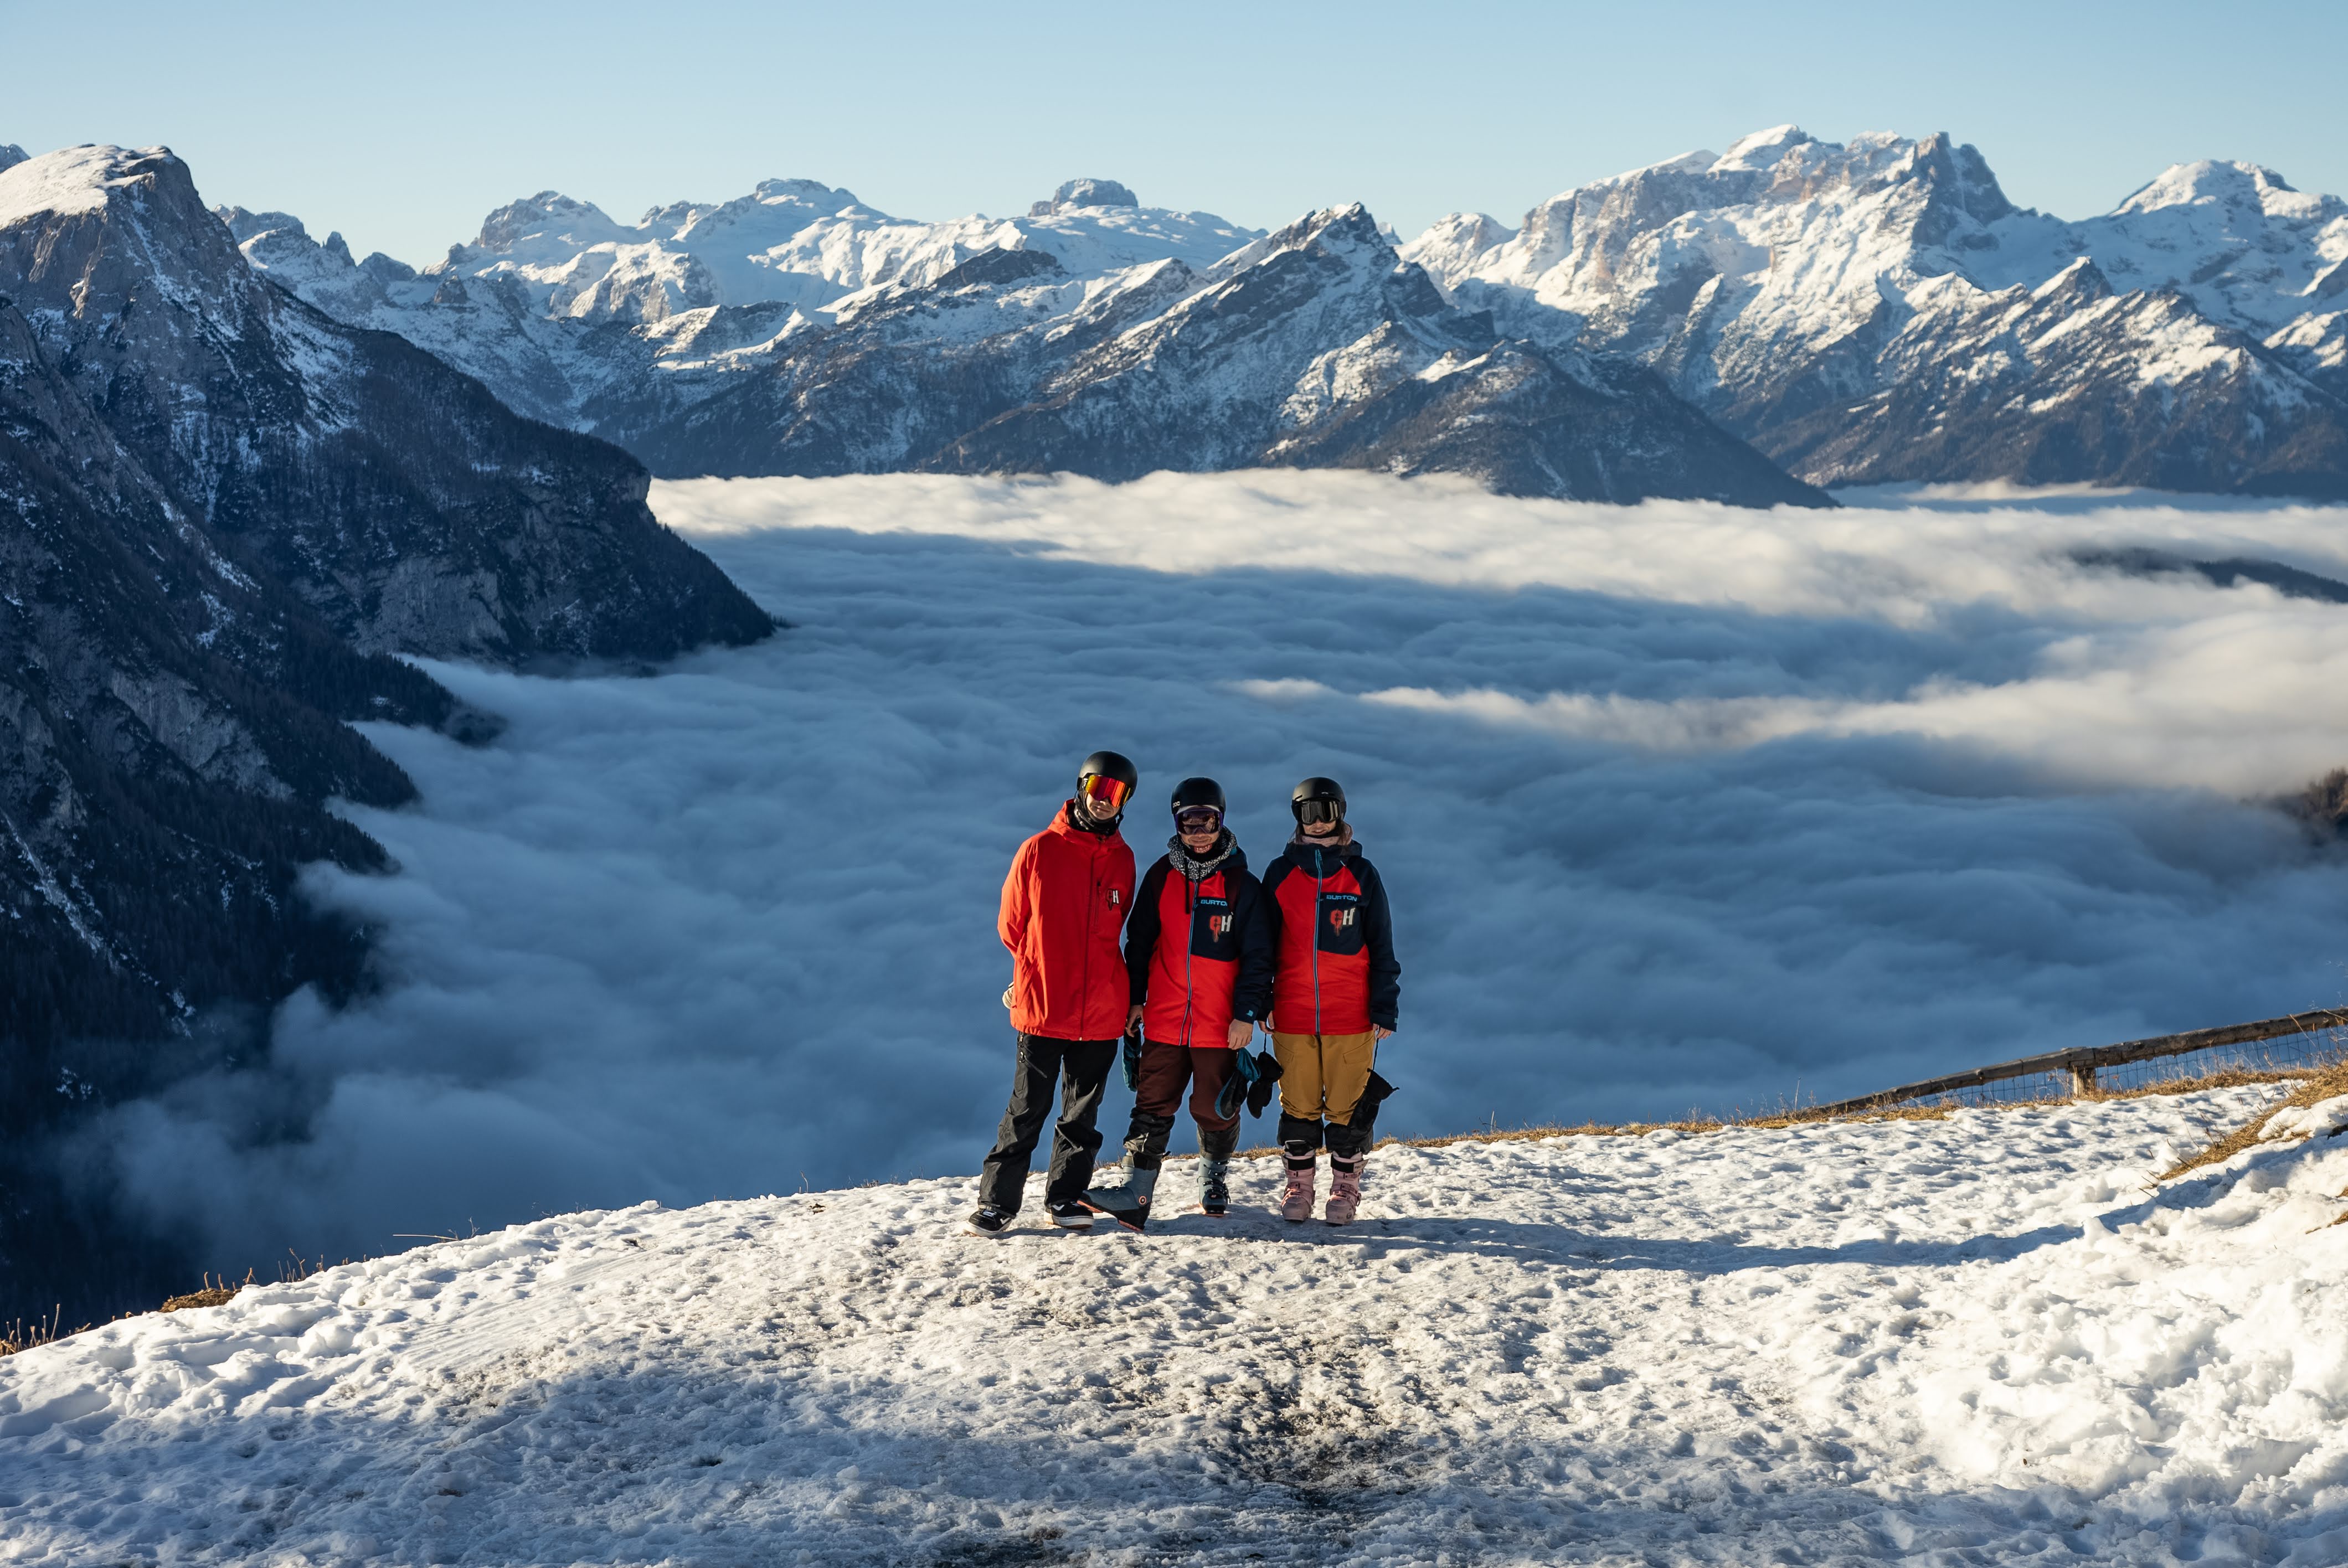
(2081,1062)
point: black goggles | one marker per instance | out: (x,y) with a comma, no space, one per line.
(1198,819)
(1320,810)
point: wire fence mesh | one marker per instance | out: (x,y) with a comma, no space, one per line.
(2293,1055)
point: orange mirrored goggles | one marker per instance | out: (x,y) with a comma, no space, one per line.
(1104,794)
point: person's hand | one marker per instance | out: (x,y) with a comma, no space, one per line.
(1380,1031)
(1133,1020)
(1238,1034)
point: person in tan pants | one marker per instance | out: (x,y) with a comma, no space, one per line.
(1336,991)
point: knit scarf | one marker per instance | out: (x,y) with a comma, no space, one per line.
(1195,867)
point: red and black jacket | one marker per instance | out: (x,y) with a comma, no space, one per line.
(1335,971)
(1063,906)
(1199,953)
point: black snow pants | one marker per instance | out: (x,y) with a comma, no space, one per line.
(1081,1066)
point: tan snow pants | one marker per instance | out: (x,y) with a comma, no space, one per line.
(1322,1075)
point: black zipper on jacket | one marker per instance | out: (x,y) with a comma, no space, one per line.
(1319,893)
(1189,940)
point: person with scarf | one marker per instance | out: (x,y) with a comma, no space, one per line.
(1198,955)
(1336,992)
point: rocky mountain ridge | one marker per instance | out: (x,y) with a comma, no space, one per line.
(1880,310)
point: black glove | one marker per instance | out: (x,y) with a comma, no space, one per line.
(1234,1091)
(1264,1083)
(1131,1056)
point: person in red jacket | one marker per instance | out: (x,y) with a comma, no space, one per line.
(1336,990)
(1064,906)
(1200,960)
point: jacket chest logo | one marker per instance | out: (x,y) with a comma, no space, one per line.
(1218,926)
(1339,919)
(1116,897)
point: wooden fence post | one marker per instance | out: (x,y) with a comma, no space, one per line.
(2082,1082)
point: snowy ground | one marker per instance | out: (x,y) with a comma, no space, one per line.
(1976,1339)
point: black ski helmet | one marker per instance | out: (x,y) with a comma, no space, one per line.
(1319,789)
(1198,792)
(1109,765)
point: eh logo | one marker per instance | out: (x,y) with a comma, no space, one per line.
(1339,919)
(1218,926)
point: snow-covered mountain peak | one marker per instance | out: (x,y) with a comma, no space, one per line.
(548,212)
(1076,193)
(2245,188)
(832,197)
(245,224)
(12,155)
(1339,230)
(773,211)
(1762,149)
(76,179)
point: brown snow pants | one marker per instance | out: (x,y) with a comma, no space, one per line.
(1165,1068)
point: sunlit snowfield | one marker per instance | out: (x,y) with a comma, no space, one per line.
(1976,1341)
(1681,807)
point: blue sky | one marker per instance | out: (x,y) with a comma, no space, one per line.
(402,128)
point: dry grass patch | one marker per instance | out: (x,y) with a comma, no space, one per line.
(2224,1078)
(210,1295)
(22,1335)
(2327,1084)
(1919,1111)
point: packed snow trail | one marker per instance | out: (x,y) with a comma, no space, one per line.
(1972,1340)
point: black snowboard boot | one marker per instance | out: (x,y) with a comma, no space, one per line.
(1215,1170)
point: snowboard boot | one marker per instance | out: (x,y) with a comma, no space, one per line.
(1127,1203)
(1071,1217)
(1215,1147)
(1303,1174)
(1214,1187)
(1344,1188)
(989,1221)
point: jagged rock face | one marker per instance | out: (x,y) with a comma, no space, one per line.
(410,508)
(170,728)
(170,736)
(2042,384)
(1834,301)
(227,512)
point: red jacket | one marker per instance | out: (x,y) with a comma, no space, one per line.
(1336,972)
(1199,953)
(1063,906)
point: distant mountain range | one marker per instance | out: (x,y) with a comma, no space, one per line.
(230,513)
(1861,313)
(796,331)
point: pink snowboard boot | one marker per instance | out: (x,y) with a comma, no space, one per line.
(1345,1190)
(1296,1203)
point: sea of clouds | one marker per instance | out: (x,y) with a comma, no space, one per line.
(1681,807)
